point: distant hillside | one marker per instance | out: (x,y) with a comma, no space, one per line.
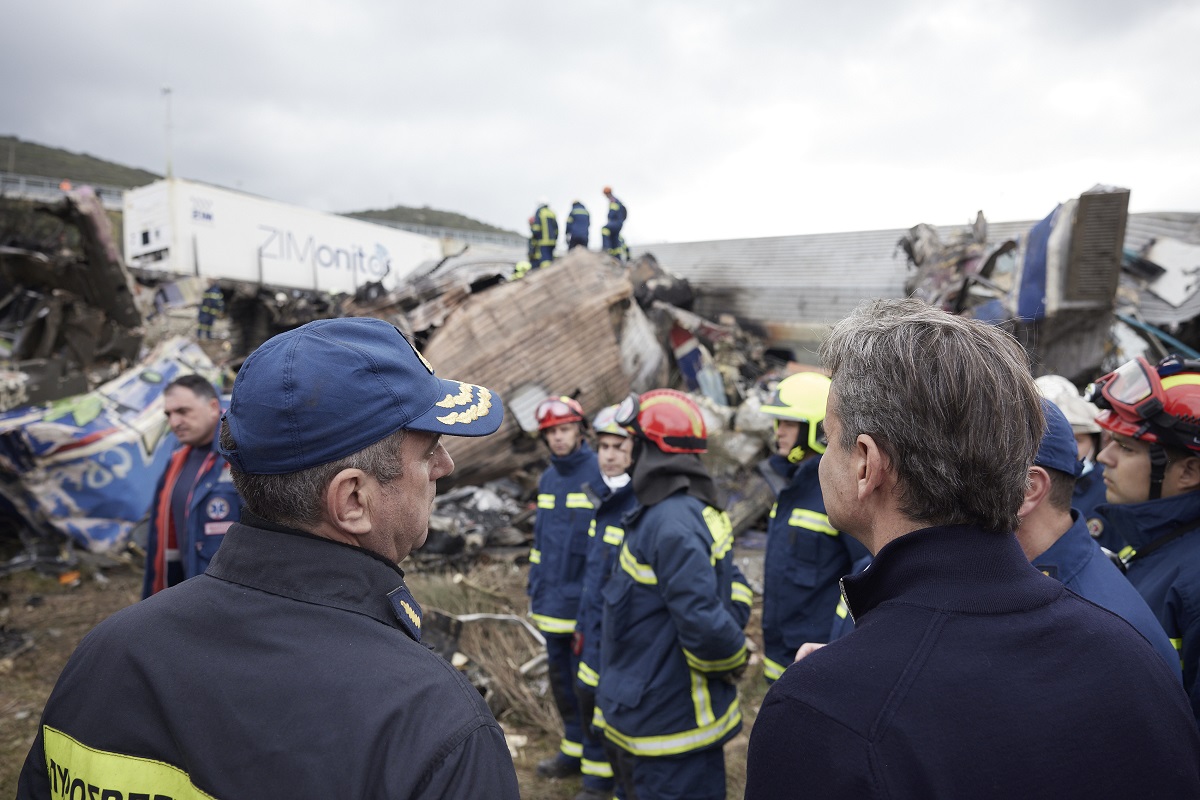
(29,158)
(428,216)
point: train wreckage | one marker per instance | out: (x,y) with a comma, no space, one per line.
(91,344)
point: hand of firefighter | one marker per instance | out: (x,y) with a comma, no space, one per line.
(577,643)
(735,675)
(807,649)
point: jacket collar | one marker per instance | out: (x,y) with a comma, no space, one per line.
(573,460)
(956,568)
(1141,523)
(1067,556)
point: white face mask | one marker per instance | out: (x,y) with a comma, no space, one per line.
(617,481)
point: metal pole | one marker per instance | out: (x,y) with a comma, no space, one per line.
(166,90)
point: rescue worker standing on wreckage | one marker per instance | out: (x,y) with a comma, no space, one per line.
(611,233)
(1152,471)
(579,224)
(557,561)
(543,235)
(195,501)
(673,643)
(614,499)
(806,556)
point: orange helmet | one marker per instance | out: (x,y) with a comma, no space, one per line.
(1159,405)
(670,419)
(557,411)
(608,190)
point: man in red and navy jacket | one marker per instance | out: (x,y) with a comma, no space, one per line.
(194,502)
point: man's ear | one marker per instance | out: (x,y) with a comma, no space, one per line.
(871,465)
(349,500)
(1037,486)
(1189,474)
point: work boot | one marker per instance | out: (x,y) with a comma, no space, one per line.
(557,767)
(593,794)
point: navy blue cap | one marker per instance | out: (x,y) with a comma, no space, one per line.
(332,387)
(1058,449)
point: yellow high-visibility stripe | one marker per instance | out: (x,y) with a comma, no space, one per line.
(812,520)
(545,501)
(613,535)
(772,670)
(702,700)
(1126,553)
(642,573)
(682,742)
(774,506)
(587,676)
(598,718)
(742,594)
(578,500)
(600,769)
(592,529)
(553,624)
(97,772)
(721,530)
(1178,645)
(721,665)
(842,609)
(571,749)
(535,556)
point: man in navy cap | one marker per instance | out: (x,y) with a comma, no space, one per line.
(1055,537)
(293,667)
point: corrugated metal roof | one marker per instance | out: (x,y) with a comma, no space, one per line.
(820,278)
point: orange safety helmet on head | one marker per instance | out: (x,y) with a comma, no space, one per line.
(555,411)
(1159,405)
(608,190)
(670,419)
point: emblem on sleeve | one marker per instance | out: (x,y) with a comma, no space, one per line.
(218,508)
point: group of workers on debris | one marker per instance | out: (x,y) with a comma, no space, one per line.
(543,232)
(938,619)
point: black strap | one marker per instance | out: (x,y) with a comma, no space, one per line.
(1161,541)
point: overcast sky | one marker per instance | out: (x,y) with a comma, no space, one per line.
(711,120)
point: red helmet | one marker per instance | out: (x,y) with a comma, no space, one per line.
(670,419)
(557,411)
(1159,405)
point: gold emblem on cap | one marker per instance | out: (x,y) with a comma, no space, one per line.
(428,366)
(454,400)
(470,414)
(412,615)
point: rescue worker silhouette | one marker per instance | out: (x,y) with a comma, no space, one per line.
(557,561)
(212,306)
(1152,470)
(806,556)
(613,500)
(611,232)
(543,235)
(579,223)
(673,643)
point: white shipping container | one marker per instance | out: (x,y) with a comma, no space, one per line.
(179,228)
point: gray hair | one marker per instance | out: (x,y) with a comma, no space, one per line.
(950,401)
(294,498)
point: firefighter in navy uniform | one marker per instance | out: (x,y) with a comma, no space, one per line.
(557,561)
(614,499)
(806,556)
(611,232)
(1152,470)
(212,306)
(579,223)
(543,235)
(673,644)
(294,667)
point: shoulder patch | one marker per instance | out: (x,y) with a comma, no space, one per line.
(218,508)
(407,611)
(1095,526)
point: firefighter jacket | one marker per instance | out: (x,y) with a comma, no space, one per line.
(579,224)
(213,301)
(213,505)
(616,215)
(671,638)
(805,558)
(605,535)
(1163,564)
(543,227)
(292,668)
(560,539)
(971,674)
(1088,496)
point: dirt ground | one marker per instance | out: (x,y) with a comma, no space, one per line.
(43,617)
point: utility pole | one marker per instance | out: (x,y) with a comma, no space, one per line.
(166,91)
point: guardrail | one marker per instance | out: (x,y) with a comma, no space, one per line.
(39,187)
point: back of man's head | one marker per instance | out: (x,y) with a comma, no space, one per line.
(951,403)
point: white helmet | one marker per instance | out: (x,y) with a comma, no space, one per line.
(1079,412)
